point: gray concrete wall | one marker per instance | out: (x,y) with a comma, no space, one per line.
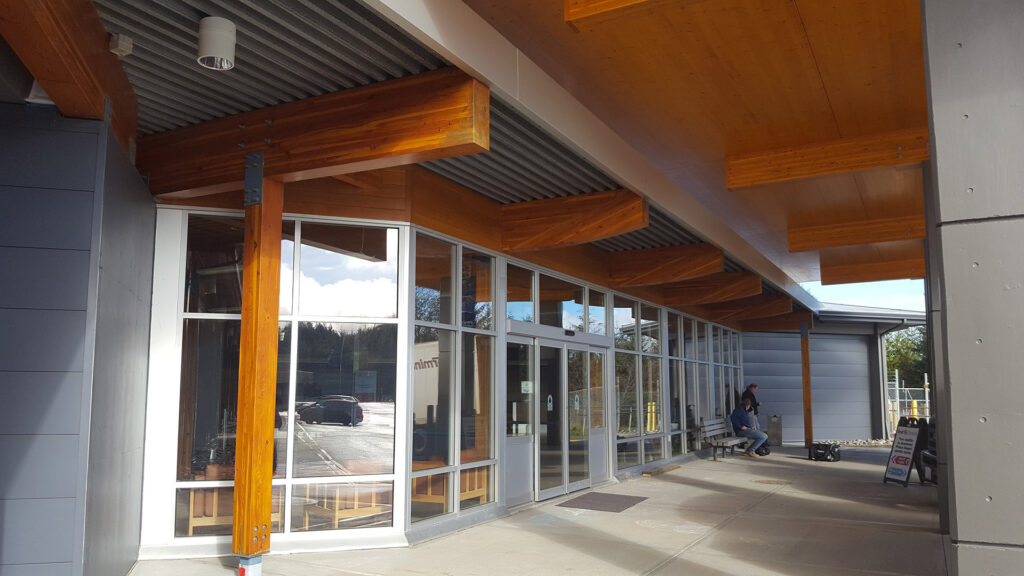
(975,200)
(48,172)
(841,383)
(114,496)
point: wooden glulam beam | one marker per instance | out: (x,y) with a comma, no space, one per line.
(760,306)
(816,237)
(904,265)
(719,287)
(571,221)
(65,47)
(785,322)
(663,265)
(576,10)
(897,148)
(433,115)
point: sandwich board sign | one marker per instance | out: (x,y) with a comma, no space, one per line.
(901,457)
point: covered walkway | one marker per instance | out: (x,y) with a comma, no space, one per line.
(780,515)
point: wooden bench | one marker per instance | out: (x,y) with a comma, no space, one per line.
(331,503)
(718,434)
(207,507)
(473,483)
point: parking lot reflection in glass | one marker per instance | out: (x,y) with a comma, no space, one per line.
(344,399)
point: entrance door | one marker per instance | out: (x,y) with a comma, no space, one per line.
(551,454)
(518,457)
(563,419)
(577,409)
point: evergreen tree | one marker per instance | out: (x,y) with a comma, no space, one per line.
(907,351)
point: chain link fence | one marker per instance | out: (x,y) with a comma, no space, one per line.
(903,401)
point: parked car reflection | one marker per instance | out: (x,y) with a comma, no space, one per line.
(333,408)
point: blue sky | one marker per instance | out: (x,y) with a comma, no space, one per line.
(896,294)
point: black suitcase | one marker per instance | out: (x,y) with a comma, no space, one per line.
(824,452)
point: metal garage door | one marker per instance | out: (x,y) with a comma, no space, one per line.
(840,380)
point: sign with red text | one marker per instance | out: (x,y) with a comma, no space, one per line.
(901,457)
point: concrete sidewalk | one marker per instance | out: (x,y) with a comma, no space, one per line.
(778,515)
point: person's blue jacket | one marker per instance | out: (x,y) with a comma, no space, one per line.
(740,418)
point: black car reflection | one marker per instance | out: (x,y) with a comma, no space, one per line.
(333,408)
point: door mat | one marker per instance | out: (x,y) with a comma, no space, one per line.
(602,502)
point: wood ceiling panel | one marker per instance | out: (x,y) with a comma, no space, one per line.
(688,82)
(871,61)
(883,192)
(873,262)
(736,73)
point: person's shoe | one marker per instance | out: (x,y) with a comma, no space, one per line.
(752,455)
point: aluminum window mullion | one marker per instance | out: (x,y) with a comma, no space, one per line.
(455,404)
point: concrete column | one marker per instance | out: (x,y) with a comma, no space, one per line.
(974,52)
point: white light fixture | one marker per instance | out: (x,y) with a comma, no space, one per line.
(216,43)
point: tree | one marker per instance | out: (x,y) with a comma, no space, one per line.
(907,351)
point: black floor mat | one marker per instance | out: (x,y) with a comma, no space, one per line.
(602,502)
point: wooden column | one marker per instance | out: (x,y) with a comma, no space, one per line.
(805,363)
(257,370)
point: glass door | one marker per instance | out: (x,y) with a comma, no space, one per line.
(518,456)
(563,418)
(550,421)
(578,418)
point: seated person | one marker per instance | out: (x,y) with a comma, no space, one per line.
(743,422)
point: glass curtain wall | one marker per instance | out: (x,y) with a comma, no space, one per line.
(703,372)
(640,435)
(334,421)
(453,377)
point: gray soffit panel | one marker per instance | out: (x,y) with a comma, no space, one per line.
(286,50)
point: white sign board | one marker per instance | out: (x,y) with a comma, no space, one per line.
(901,458)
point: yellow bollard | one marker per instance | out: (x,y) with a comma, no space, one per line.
(652,416)
(913,408)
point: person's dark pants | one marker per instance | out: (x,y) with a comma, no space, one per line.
(756,435)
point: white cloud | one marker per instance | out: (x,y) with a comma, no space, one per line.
(377,297)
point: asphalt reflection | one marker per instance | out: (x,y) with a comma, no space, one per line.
(331,449)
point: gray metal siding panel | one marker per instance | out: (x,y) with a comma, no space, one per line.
(40,402)
(786,371)
(48,159)
(45,218)
(49,569)
(36,531)
(114,498)
(41,340)
(47,176)
(38,466)
(44,279)
(840,380)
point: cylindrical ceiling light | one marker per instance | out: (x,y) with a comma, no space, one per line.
(216,43)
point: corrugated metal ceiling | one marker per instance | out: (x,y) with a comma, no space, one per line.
(524,163)
(293,49)
(286,50)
